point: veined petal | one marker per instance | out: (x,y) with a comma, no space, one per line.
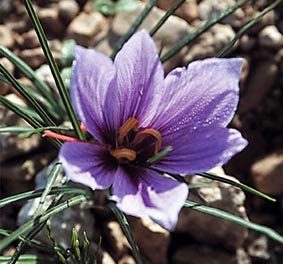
(205,94)
(200,151)
(87,164)
(146,192)
(93,74)
(140,78)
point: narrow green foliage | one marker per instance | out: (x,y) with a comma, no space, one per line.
(237,184)
(85,249)
(246,27)
(235,219)
(169,13)
(27,96)
(190,37)
(127,231)
(59,251)
(27,259)
(22,245)
(38,97)
(75,244)
(51,180)
(37,193)
(25,115)
(25,228)
(30,74)
(134,26)
(67,50)
(54,69)
(160,155)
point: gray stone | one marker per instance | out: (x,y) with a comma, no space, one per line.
(6,37)
(173,30)
(210,42)
(78,217)
(211,8)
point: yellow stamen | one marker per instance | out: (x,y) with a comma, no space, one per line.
(130,124)
(152,132)
(124,153)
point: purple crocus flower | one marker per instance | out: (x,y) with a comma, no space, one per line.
(136,115)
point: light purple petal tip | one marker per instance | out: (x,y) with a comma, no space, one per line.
(140,76)
(204,94)
(84,163)
(146,192)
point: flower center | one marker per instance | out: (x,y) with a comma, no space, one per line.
(136,144)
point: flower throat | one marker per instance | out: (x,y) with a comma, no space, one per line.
(136,144)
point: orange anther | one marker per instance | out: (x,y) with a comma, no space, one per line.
(50,134)
(152,132)
(123,153)
(130,124)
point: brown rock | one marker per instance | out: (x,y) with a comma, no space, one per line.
(127,260)
(6,37)
(209,229)
(85,27)
(188,10)
(202,254)
(151,238)
(4,87)
(29,40)
(118,241)
(11,146)
(68,10)
(33,57)
(270,37)
(259,85)
(267,173)
(49,18)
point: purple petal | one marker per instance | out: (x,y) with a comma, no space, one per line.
(205,94)
(93,73)
(200,151)
(87,164)
(146,192)
(139,78)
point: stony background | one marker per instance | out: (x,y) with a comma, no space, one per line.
(198,238)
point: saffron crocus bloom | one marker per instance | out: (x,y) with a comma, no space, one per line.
(135,114)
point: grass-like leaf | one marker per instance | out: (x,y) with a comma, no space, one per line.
(27,259)
(134,26)
(236,184)
(37,96)
(189,38)
(25,115)
(37,193)
(25,228)
(27,96)
(246,27)
(42,87)
(51,180)
(235,219)
(170,12)
(127,231)
(54,69)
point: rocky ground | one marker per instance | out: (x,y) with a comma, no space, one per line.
(198,238)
